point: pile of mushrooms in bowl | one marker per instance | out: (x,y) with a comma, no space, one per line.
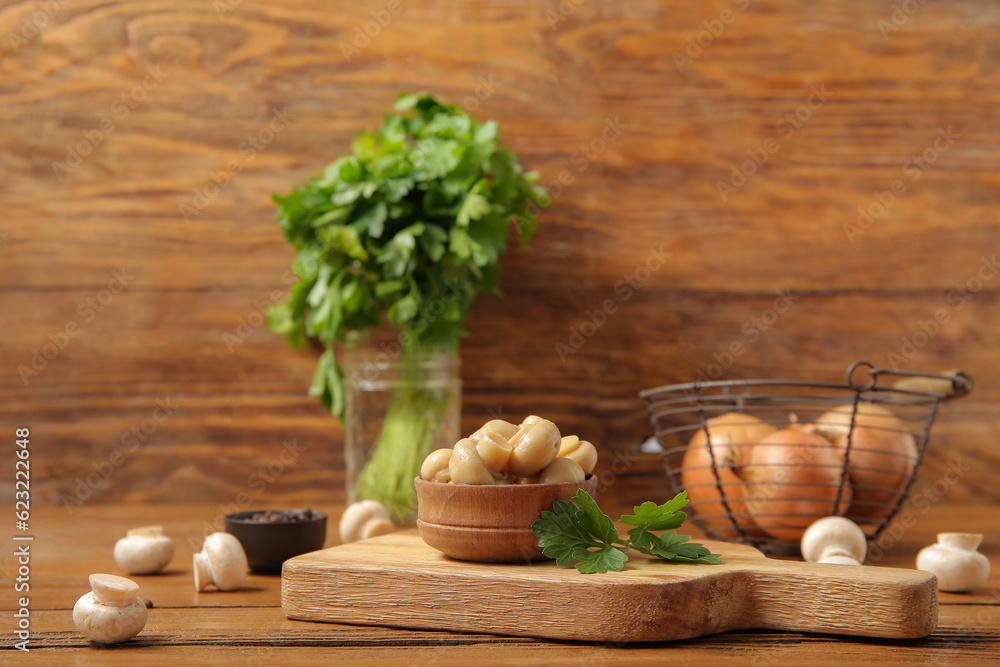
(477,500)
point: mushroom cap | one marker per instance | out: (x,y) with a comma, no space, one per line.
(581,451)
(529,420)
(501,426)
(144,550)
(535,446)
(356,515)
(560,470)
(435,466)
(466,465)
(494,450)
(834,536)
(222,562)
(111,612)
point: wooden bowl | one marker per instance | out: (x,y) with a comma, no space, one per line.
(490,524)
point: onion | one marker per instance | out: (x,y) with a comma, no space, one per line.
(883,454)
(730,435)
(706,503)
(792,479)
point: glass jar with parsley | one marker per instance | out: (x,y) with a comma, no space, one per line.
(404,231)
(380,452)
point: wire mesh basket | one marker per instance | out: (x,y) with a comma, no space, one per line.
(762,459)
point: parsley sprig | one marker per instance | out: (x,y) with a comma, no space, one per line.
(578,532)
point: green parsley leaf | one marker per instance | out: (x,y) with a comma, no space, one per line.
(659,517)
(671,547)
(642,540)
(677,548)
(593,520)
(579,533)
(433,241)
(599,560)
(474,207)
(387,287)
(334,216)
(372,220)
(560,532)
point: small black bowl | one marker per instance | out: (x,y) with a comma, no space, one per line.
(270,537)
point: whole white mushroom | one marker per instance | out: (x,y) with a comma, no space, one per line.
(836,540)
(111,612)
(364,519)
(222,562)
(144,550)
(956,562)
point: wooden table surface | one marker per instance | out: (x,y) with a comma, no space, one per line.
(247,627)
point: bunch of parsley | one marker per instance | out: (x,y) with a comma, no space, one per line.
(406,229)
(579,532)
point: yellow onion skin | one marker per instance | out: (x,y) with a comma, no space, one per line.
(882,457)
(792,478)
(732,435)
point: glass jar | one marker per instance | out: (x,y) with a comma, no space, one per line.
(400,406)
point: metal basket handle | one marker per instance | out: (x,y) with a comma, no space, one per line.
(945,385)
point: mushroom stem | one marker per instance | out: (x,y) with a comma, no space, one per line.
(222,562)
(965,541)
(202,572)
(145,531)
(838,559)
(834,539)
(112,590)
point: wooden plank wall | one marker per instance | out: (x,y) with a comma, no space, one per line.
(118,115)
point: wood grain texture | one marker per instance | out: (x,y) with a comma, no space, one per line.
(248,627)
(398,580)
(163,103)
(490,524)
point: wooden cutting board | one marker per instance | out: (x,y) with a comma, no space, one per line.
(397,580)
